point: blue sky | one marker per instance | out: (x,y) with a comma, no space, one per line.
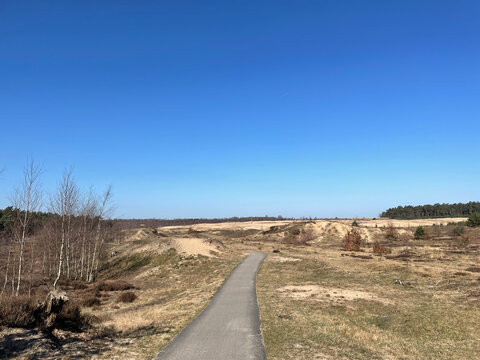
(237,108)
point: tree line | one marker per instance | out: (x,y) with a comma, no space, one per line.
(432,211)
(63,243)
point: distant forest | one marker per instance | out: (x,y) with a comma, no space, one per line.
(432,211)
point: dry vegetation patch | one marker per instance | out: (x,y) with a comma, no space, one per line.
(283,259)
(17,311)
(127,297)
(330,294)
(420,302)
(114,285)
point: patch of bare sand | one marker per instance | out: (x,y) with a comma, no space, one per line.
(247,225)
(194,246)
(183,245)
(283,259)
(321,293)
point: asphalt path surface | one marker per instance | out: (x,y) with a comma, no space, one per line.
(229,327)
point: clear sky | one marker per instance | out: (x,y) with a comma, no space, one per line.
(234,108)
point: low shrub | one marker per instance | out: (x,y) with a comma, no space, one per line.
(355,223)
(420,233)
(379,249)
(17,311)
(352,241)
(114,285)
(91,301)
(458,230)
(79,286)
(391,233)
(127,297)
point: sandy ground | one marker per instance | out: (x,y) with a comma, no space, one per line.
(189,246)
(322,293)
(148,240)
(254,225)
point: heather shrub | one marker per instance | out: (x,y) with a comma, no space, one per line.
(114,285)
(127,297)
(91,301)
(17,311)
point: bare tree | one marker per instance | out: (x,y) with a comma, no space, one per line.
(27,199)
(64,204)
(8,258)
(6,270)
(87,212)
(103,211)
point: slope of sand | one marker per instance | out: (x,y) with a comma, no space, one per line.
(194,246)
(247,225)
(151,242)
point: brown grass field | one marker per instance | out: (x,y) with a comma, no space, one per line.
(418,300)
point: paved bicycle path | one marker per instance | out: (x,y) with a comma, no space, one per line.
(229,327)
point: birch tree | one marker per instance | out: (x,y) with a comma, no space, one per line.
(64,203)
(103,211)
(27,199)
(87,213)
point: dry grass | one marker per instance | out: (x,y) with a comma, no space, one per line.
(331,307)
(379,249)
(173,289)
